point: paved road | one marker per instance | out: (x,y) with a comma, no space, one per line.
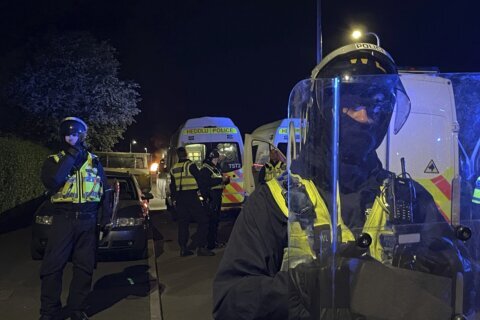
(186,282)
(121,289)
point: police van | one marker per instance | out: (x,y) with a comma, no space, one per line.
(199,136)
(271,135)
(428,142)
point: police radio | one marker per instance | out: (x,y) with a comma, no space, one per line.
(401,197)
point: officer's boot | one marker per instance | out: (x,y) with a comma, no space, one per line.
(205,252)
(78,315)
(184,252)
(45,317)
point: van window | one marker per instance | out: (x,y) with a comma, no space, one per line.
(230,154)
(196,153)
(123,161)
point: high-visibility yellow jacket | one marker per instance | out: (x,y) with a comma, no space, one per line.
(184,180)
(300,243)
(83,185)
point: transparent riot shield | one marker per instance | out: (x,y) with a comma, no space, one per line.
(383,198)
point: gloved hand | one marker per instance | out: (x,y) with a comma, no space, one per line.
(226,180)
(104,230)
(304,285)
(74,151)
(106,227)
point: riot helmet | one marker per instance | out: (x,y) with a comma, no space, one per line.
(214,154)
(181,152)
(359,81)
(73,125)
(370,88)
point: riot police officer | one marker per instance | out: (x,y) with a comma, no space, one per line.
(78,187)
(334,211)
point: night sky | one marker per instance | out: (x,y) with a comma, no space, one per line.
(239,59)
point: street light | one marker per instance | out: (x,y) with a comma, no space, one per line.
(132,142)
(357,34)
(145,149)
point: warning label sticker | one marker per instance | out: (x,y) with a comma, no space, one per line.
(431,167)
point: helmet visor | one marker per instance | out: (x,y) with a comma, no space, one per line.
(378,95)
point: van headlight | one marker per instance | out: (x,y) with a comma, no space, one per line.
(128,222)
(44,220)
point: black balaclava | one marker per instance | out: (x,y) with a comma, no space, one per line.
(358,141)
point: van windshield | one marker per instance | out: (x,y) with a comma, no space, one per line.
(230,157)
(123,161)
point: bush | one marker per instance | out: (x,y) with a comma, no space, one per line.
(20,165)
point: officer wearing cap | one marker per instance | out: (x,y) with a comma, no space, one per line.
(78,187)
(272,169)
(185,194)
(272,265)
(211,183)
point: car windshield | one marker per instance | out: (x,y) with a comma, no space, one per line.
(127,187)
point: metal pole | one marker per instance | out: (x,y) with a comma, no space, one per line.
(319,31)
(376,37)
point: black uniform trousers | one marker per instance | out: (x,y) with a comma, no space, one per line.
(214,207)
(69,236)
(189,207)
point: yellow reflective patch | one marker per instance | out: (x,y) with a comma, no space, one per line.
(353,61)
(380,67)
(217,130)
(364,60)
(285,130)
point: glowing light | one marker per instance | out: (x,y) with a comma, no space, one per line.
(356,34)
(154,167)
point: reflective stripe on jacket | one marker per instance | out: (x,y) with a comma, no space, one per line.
(300,241)
(273,171)
(476,192)
(184,180)
(83,185)
(215,174)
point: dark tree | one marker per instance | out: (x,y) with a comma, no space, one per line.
(72,74)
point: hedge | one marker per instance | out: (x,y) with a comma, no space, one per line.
(20,165)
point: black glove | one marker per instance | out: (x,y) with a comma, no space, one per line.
(311,286)
(74,151)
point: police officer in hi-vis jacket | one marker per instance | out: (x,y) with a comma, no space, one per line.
(184,192)
(78,187)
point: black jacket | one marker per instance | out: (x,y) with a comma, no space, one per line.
(249,285)
(206,182)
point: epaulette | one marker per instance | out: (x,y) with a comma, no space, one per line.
(297,199)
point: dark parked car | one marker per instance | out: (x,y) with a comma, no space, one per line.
(128,232)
